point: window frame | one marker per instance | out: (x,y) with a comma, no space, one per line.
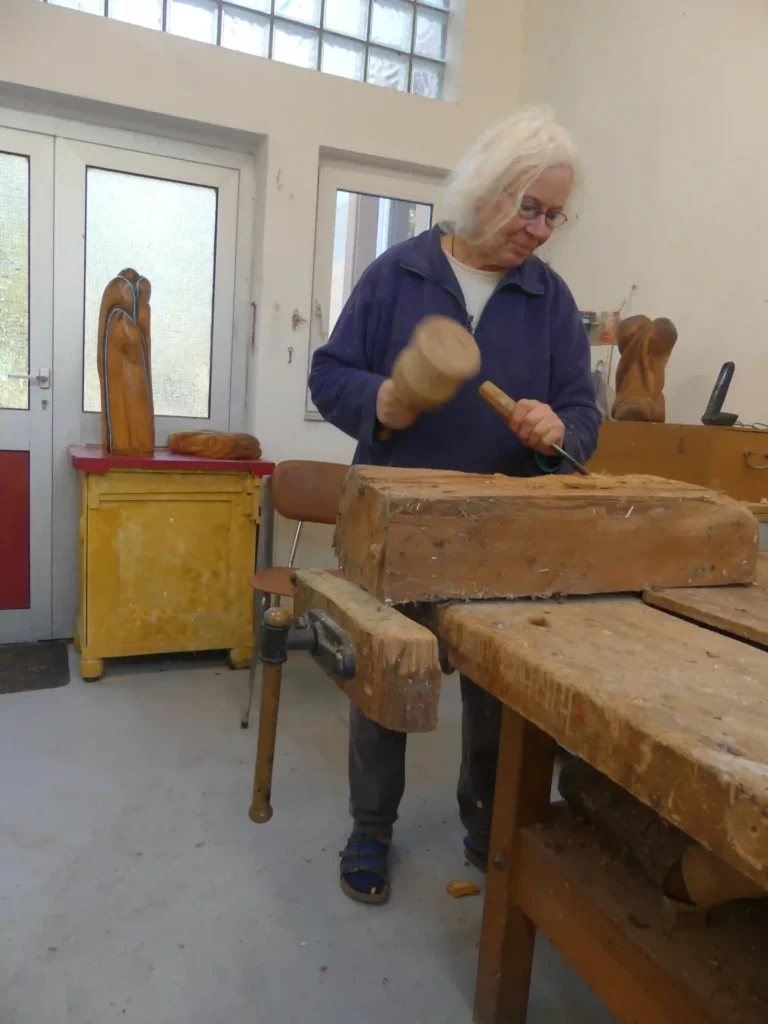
(407,186)
(366,42)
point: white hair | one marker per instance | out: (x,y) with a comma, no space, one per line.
(509,156)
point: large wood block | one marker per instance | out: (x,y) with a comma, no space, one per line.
(420,535)
(397,682)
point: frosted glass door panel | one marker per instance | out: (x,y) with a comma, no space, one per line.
(14,279)
(165,230)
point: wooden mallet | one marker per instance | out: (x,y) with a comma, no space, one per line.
(440,356)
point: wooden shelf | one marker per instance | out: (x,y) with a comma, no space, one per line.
(592,905)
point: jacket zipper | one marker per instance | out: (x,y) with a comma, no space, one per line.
(470,326)
(451,292)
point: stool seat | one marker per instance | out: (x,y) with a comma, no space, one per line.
(277,580)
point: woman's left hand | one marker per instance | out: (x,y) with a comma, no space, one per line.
(537,425)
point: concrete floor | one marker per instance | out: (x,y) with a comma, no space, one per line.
(134,887)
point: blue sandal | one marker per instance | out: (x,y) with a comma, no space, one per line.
(476,856)
(364,875)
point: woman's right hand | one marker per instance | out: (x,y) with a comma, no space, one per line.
(390,410)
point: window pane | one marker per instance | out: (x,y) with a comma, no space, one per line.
(365,227)
(195,19)
(444,4)
(89,6)
(431,33)
(391,23)
(427,79)
(343,57)
(257,5)
(299,10)
(14,279)
(246,32)
(347,16)
(148,13)
(388,69)
(165,230)
(294,45)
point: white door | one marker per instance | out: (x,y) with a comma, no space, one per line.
(175,222)
(27,386)
(361,212)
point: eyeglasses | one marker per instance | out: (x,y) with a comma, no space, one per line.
(529,209)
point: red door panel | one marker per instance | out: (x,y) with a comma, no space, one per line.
(14,530)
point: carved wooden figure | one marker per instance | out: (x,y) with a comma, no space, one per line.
(645,346)
(125,366)
(215,444)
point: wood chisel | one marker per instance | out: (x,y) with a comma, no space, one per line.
(505,406)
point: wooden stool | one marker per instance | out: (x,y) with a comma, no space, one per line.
(304,492)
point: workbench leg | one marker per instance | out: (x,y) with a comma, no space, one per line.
(523,785)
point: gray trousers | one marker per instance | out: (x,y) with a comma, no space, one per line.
(377,767)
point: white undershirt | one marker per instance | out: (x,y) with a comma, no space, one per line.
(477,286)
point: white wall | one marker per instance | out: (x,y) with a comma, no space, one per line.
(160,83)
(667,99)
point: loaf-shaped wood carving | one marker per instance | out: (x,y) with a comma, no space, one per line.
(215,444)
(125,366)
(645,346)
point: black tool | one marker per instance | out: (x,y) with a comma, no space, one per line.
(712,416)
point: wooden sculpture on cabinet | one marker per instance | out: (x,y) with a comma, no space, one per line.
(125,366)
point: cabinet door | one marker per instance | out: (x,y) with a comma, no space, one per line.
(167,562)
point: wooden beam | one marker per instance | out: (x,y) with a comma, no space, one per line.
(409,536)
(740,611)
(507,936)
(398,677)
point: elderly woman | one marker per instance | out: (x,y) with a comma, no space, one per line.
(505,198)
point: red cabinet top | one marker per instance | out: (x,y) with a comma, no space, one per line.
(93,459)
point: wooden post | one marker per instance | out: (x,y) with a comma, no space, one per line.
(523,785)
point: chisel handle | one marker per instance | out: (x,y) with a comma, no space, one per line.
(497,399)
(505,406)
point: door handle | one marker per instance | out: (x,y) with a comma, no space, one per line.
(42,378)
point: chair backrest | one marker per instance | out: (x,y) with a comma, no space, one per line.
(309,492)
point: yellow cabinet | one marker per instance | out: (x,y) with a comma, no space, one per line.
(167,548)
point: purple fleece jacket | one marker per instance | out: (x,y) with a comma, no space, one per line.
(532,342)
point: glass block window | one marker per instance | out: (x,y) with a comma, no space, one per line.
(400,44)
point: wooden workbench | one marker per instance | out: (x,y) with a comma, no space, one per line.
(675,713)
(669,708)
(673,707)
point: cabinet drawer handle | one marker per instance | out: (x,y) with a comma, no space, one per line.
(752,465)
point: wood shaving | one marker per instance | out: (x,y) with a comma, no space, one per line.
(458,888)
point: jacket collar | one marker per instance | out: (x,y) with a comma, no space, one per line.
(428,259)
